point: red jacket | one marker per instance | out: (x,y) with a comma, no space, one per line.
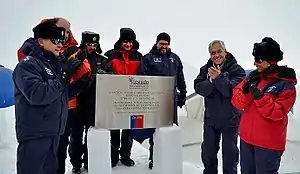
(123,62)
(264,121)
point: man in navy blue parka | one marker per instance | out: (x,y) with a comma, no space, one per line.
(161,61)
(41,99)
(215,83)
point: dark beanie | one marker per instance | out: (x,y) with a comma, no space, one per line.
(48,30)
(90,37)
(268,50)
(127,34)
(163,36)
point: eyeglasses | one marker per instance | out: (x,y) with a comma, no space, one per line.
(57,41)
(92,44)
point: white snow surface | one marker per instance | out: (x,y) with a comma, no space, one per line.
(9,145)
(191,165)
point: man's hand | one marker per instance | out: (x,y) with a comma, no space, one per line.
(214,72)
(181,99)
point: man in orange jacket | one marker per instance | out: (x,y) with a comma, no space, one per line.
(80,79)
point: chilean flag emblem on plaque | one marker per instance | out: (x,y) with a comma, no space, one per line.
(136,121)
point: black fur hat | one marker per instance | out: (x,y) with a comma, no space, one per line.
(268,49)
(90,37)
(127,34)
(48,30)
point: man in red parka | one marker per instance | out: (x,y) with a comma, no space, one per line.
(265,97)
(123,59)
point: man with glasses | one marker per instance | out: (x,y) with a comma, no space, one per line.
(41,99)
(86,101)
(123,59)
(161,61)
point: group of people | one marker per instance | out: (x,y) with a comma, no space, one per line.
(55,91)
(255,106)
(55,88)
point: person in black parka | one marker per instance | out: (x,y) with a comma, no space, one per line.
(215,83)
(161,61)
(42,91)
(86,101)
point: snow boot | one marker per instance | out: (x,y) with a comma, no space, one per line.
(127,162)
(150,166)
(76,170)
(114,162)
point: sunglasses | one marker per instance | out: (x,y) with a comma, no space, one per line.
(258,60)
(92,44)
(57,41)
(127,41)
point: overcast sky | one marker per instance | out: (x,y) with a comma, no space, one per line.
(192,24)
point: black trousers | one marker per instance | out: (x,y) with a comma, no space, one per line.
(151,142)
(210,148)
(258,160)
(126,144)
(37,156)
(72,136)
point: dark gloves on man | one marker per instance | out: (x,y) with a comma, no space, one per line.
(69,68)
(101,71)
(81,84)
(181,99)
(69,52)
(256,93)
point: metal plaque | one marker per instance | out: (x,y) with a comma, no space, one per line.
(134,102)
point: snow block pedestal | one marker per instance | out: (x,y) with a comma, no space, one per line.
(98,142)
(167,156)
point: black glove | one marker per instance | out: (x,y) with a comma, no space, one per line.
(256,93)
(69,68)
(252,79)
(81,55)
(67,53)
(101,71)
(246,87)
(84,83)
(181,99)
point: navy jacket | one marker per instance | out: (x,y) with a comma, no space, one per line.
(219,111)
(157,64)
(41,101)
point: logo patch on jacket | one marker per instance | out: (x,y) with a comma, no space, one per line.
(48,71)
(157,59)
(172,59)
(271,88)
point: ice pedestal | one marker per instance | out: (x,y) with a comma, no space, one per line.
(98,143)
(6,130)
(168,151)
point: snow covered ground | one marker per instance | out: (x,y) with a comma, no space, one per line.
(191,150)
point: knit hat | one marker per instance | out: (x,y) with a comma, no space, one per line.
(127,34)
(268,50)
(48,30)
(163,36)
(90,37)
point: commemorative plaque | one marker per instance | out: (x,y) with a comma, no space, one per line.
(134,102)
